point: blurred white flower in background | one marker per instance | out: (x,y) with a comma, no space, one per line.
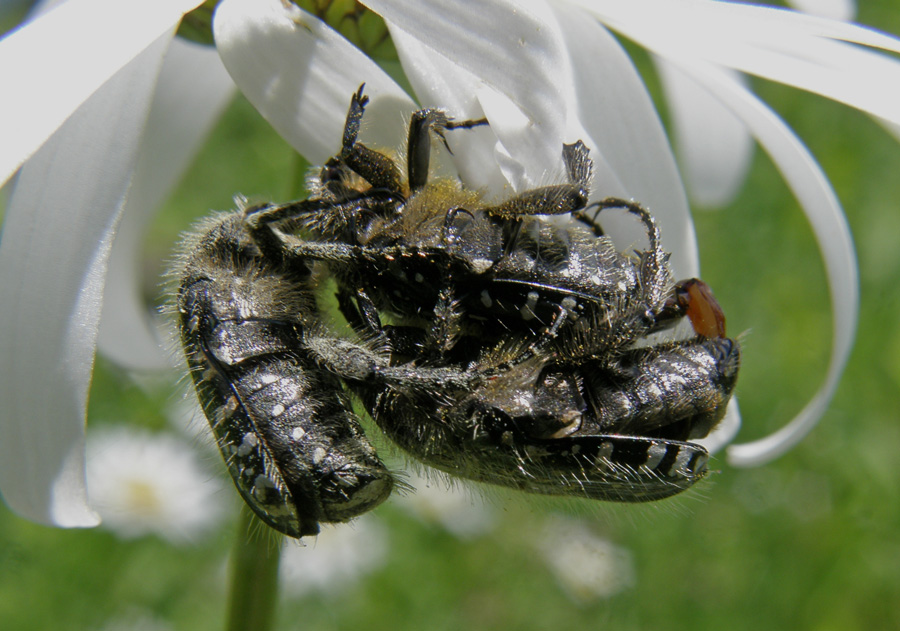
(333,561)
(121,107)
(137,621)
(449,504)
(586,566)
(143,483)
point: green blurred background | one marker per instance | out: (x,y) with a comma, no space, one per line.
(811,541)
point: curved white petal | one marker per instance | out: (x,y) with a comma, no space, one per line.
(823,210)
(632,154)
(714,146)
(193,90)
(835,9)
(440,83)
(517,51)
(53,253)
(54,63)
(299,73)
(801,50)
(635,159)
(629,146)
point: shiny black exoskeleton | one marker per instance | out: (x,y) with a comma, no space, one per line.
(425,250)
(285,427)
(490,344)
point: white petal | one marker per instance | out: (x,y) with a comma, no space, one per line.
(440,83)
(892,128)
(835,9)
(515,49)
(805,51)
(632,153)
(823,210)
(299,73)
(193,90)
(54,63)
(714,146)
(56,239)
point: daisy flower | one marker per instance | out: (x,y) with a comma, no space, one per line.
(142,483)
(335,560)
(117,112)
(586,567)
(455,508)
(136,621)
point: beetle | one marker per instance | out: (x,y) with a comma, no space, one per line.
(487,342)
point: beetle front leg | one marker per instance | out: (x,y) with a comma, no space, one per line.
(654,270)
(418,141)
(377,169)
(261,222)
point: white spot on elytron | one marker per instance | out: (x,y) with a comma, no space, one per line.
(527,311)
(419,278)
(523,401)
(249,443)
(268,378)
(486,299)
(318,455)
(224,354)
(480,266)
(278,410)
(655,455)
(624,405)
(622,286)
(298,433)
(654,391)
(595,279)
(263,482)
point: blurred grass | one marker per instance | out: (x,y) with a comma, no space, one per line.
(809,541)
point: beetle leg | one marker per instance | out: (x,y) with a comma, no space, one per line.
(418,142)
(558,199)
(373,166)
(654,272)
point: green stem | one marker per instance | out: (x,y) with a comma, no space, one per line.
(254,576)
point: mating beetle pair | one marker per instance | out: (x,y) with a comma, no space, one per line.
(489,343)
